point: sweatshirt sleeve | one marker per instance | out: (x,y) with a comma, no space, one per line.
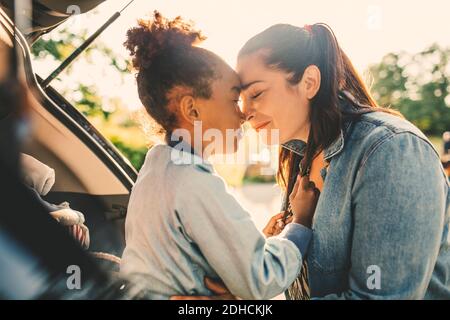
(251,266)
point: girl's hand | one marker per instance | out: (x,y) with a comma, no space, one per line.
(303,201)
(276,225)
(216,286)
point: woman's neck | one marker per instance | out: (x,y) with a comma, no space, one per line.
(303,133)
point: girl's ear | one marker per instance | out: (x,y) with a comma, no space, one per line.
(188,110)
(311,81)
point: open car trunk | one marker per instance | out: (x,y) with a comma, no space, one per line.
(90,173)
(48,14)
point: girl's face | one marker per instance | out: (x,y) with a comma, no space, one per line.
(270,102)
(221,115)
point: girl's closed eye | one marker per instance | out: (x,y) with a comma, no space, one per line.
(237,103)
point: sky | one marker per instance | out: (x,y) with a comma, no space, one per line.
(365,29)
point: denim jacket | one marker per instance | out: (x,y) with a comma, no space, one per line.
(381,226)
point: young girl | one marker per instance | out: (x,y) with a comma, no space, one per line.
(182,224)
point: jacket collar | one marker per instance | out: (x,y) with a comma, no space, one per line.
(184,153)
(299,146)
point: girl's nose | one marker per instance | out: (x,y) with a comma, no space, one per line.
(242,117)
(247,112)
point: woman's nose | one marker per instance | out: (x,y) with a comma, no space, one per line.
(248,115)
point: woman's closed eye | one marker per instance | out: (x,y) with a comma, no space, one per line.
(257,95)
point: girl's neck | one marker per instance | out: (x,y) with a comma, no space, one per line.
(189,140)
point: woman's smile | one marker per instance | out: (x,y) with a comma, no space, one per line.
(261,125)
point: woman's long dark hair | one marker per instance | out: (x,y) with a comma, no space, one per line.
(292,49)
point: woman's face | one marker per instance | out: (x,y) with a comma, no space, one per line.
(270,102)
(221,115)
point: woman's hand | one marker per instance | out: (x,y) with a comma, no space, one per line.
(276,225)
(216,286)
(303,200)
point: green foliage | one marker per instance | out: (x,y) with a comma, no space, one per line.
(135,155)
(417,85)
(60,45)
(90,103)
(259,179)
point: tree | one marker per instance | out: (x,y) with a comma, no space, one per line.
(60,45)
(417,85)
(107,113)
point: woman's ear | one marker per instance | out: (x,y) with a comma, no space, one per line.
(311,81)
(188,110)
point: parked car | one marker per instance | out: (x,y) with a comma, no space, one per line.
(91,175)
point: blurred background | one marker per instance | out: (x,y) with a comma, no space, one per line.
(402,48)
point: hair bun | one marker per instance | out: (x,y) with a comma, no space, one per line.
(152,37)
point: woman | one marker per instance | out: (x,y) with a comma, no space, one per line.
(182,224)
(381,225)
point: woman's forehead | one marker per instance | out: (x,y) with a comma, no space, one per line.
(251,68)
(253,71)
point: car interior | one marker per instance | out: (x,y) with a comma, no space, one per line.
(90,173)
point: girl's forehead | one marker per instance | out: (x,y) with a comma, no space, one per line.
(229,75)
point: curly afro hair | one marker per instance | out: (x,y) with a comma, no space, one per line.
(164,54)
